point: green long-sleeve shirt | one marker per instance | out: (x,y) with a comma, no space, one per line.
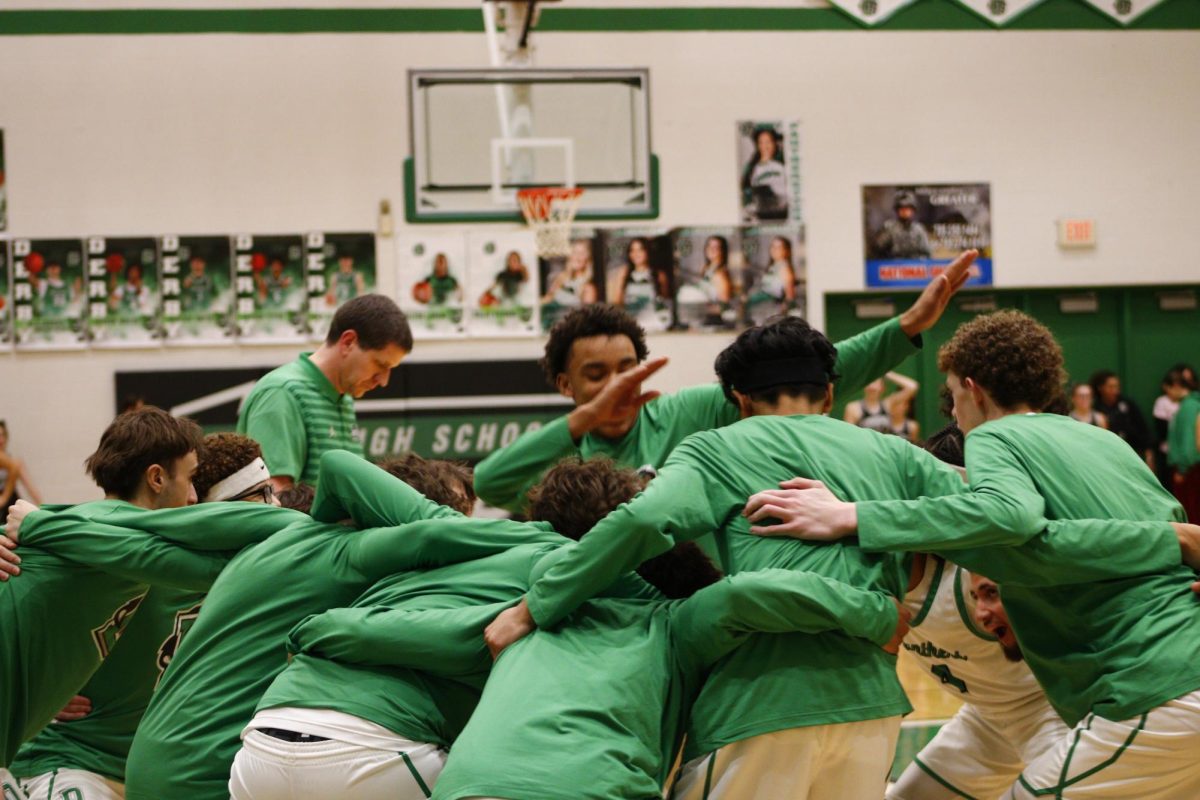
(189,735)
(1116,647)
(119,692)
(1183,453)
(83,573)
(505,477)
(703,487)
(616,683)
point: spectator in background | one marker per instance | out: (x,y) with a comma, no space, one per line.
(13,477)
(902,421)
(1179,380)
(873,410)
(1081,406)
(1183,452)
(305,408)
(1125,419)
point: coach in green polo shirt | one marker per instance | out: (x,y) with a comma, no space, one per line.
(302,409)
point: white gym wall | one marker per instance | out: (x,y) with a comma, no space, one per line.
(218,134)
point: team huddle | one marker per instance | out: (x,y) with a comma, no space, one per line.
(699,595)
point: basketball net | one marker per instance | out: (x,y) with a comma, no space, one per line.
(549,211)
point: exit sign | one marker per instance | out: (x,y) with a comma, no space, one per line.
(1076,233)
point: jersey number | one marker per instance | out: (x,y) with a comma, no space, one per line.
(947,677)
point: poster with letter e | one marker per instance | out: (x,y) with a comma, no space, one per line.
(123,292)
(271,295)
(912,233)
(197,289)
(339,267)
(48,293)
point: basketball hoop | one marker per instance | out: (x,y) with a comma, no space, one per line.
(550,210)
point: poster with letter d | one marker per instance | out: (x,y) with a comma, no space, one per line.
(338,267)
(271,295)
(197,289)
(123,292)
(49,299)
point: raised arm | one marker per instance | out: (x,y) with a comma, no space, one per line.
(906,387)
(350,487)
(718,618)
(445,642)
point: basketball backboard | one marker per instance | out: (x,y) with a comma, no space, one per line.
(477,136)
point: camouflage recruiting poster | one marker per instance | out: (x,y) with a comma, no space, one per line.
(504,290)
(49,300)
(637,270)
(707,270)
(912,233)
(768,154)
(431,284)
(774,277)
(339,267)
(5,298)
(272,299)
(197,288)
(570,281)
(123,292)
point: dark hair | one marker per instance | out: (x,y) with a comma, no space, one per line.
(786,243)
(447,483)
(724,245)
(948,445)
(662,281)
(785,337)
(224,454)
(376,319)
(577,493)
(1099,378)
(945,402)
(1011,355)
(298,497)
(1176,376)
(748,170)
(599,319)
(136,440)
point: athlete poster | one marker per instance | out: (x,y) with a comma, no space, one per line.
(432,281)
(707,271)
(49,294)
(5,298)
(571,281)
(271,295)
(502,274)
(638,272)
(774,278)
(123,291)
(768,153)
(197,288)
(3,188)
(339,267)
(912,233)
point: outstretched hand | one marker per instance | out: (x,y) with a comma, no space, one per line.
(11,536)
(904,616)
(805,508)
(618,401)
(931,303)
(509,626)
(77,707)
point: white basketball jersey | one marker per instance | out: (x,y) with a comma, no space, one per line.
(964,659)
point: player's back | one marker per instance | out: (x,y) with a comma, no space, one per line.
(1115,647)
(59,619)
(189,734)
(846,679)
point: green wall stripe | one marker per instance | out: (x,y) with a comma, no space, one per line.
(923,15)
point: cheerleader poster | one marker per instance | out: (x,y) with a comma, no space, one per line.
(707,262)
(638,271)
(432,284)
(49,300)
(571,281)
(271,295)
(768,153)
(123,292)
(340,267)
(504,285)
(197,288)
(773,278)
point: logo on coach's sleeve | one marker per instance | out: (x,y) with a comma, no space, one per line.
(183,623)
(106,636)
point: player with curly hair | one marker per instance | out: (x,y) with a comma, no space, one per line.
(1119,658)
